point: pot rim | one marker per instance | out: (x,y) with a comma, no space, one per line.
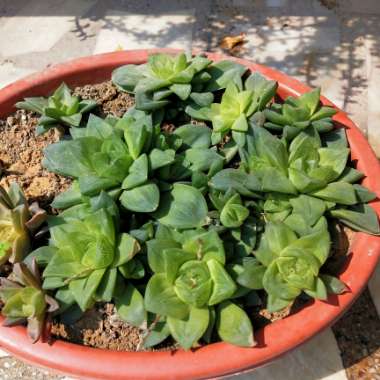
(216,359)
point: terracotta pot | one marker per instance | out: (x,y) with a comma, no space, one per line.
(215,359)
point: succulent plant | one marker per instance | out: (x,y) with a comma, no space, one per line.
(292,263)
(184,230)
(232,212)
(98,158)
(17,221)
(189,280)
(236,107)
(296,114)
(163,76)
(313,167)
(168,80)
(87,256)
(25,302)
(60,108)
(132,159)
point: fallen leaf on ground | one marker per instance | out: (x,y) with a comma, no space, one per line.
(229,42)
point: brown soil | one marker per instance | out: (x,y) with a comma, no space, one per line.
(262,316)
(21,152)
(100,327)
(358,337)
(110,100)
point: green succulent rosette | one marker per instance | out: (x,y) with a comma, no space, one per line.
(61,108)
(88,259)
(311,166)
(175,81)
(162,77)
(188,282)
(296,114)
(18,220)
(236,107)
(25,302)
(292,263)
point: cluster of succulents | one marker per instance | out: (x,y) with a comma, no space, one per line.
(184,231)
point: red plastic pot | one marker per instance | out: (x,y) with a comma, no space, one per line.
(219,358)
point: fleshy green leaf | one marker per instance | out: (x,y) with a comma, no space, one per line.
(160,298)
(333,284)
(234,326)
(237,180)
(126,249)
(183,207)
(194,136)
(339,192)
(159,158)
(157,334)
(106,288)
(223,285)
(275,284)
(188,332)
(84,289)
(360,217)
(138,173)
(224,72)
(252,274)
(126,77)
(130,307)
(144,198)
(276,304)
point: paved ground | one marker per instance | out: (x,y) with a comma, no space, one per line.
(330,43)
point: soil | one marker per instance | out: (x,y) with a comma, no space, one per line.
(358,337)
(110,100)
(100,327)
(21,152)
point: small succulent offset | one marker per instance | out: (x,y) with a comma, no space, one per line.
(60,108)
(17,221)
(232,212)
(191,288)
(25,302)
(296,114)
(236,107)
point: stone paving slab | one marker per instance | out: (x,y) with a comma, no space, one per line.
(9,73)
(125,31)
(298,364)
(39,33)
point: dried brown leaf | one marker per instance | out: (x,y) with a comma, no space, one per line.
(229,42)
